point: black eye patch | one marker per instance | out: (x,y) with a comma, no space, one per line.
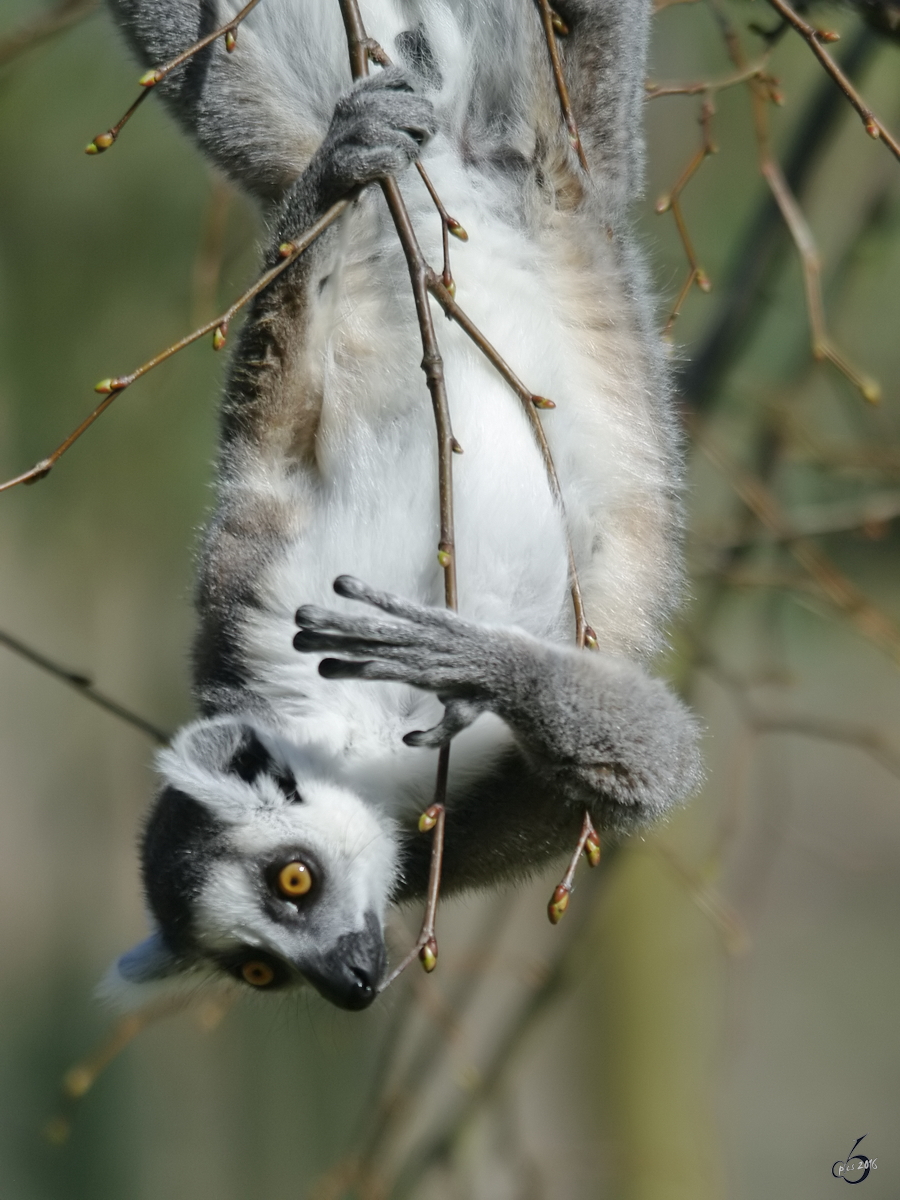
(253,760)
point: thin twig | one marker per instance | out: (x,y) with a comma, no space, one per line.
(704,87)
(825,729)
(208,260)
(871,515)
(723,917)
(434,818)
(584,634)
(505,1048)
(823,347)
(672,202)
(588,844)
(359,48)
(814,38)
(550,29)
(218,326)
(37,30)
(378,54)
(84,685)
(742,292)
(156,75)
(871,622)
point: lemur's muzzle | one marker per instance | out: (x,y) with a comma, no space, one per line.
(348,975)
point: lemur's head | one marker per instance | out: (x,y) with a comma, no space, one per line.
(259,866)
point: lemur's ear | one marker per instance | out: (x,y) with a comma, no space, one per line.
(148,961)
(146,974)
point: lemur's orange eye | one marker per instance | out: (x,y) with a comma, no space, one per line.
(258,973)
(294,879)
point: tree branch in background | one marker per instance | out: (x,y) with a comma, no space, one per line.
(218,326)
(207,266)
(760,96)
(758,260)
(84,685)
(40,28)
(871,622)
(814,39)
(671,203)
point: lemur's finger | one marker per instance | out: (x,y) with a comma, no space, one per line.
(338,668)
(311,641)
(312,617)
(392,77)
(354,589)
(458,715)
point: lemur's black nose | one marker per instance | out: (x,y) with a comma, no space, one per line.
(348,975)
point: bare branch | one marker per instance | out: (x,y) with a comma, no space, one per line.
(551,27)
(156,75)
(218,326)
(37,30)
(761,95)
(84,685)
(672,202)
(814,39)
(871,622)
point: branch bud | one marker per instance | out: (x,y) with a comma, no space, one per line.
(455,446)
(286,249)
(592,849)
(871,390)
(827,35)
(230,40)
(590,638)
(38,472)
(444,557)
(77,1082)
(560,28)
(105,386)
(150,78)
(428,819)
(57,1131)
(872,128)
(101,142)
(558,904)
(663,204)
(220,336)
(702,280)
(542,402)
(456,229)
(428,955)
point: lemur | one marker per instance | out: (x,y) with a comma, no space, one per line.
(286,820)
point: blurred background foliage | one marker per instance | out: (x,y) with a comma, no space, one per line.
(717,1014)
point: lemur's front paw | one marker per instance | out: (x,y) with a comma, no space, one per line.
(429,648)
(377,130)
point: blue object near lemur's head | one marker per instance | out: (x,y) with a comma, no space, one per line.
(261,871)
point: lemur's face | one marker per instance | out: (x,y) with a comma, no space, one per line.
(260,867)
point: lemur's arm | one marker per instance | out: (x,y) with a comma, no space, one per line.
(258,113)
(597,731)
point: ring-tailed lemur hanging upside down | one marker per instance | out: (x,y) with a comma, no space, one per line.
(286,820)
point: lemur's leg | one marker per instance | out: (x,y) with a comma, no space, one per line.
(597,728)
(604,60)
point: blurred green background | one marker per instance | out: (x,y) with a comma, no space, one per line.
(717,1015)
